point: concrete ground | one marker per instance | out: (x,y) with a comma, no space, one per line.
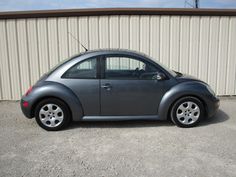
(131,149)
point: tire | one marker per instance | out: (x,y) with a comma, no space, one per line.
(187,112)
(52,114)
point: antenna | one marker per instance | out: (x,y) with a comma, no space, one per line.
(78,41)
(194,4)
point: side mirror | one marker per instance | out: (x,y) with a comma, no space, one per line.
(160,76)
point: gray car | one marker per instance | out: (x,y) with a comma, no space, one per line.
(116,85)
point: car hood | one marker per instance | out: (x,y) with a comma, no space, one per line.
(185,77)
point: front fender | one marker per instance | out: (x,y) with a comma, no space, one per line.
(53,89)
(194,88)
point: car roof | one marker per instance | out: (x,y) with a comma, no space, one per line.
(113,51)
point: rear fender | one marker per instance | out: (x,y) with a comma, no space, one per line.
(52,89)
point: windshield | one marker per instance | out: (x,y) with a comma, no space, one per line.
(173,73)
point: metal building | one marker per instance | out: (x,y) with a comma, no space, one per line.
(199,42)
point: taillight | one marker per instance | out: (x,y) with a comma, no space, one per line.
(28,91)
(25,104)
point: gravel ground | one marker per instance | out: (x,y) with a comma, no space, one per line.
(130,149)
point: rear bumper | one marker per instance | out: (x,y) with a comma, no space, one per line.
(27,111)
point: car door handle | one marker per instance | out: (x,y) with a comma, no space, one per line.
(107,86)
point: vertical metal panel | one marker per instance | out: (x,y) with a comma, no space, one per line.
(23,54)
(43,45)
(53,42)
(194,45)
(103,32)
(73,35)
(174,42)
(63,38)
(13,59)
(165,40)
(222,54)
(134,33)
(83,32)
(155,37)
(213,51)
(145,34)
(202,46)
(231,65)
(114,31)
(33,50)
(93,33)
(184,44)
(4,63)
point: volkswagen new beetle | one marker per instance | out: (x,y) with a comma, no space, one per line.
(117,85)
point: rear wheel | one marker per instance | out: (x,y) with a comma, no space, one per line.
(187,112)
(52,114)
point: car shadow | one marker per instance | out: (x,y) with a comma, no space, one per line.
(219,117)
(120,124)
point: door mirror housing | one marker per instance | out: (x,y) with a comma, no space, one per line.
(160,76)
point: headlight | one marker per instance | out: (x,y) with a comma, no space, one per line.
(210,90)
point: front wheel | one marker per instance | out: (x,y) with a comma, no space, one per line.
(52,114)
(187,112)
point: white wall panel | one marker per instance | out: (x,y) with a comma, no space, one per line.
(23,54)
(155,37)
(222,55)
(53,47)
(103,32)
(203,59)
(184,44)
(33,50)
(43,45)
(203,46)
(83,32)
(4,63)
(13,58)
(73,36)
(63,36)
(231,65)
(165,40)
(174,42)
(194,45)
(145,34)
(213,51)
(93,33)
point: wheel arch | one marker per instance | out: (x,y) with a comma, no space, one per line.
(58,91)
(183,96)
(179,91)
(44,98)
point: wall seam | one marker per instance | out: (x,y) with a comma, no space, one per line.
(27,49)
(18,56)
(8,63)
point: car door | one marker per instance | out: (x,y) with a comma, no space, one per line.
(129,87)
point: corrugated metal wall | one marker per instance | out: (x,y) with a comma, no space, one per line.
(202,46)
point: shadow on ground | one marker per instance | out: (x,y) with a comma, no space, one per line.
(219,117)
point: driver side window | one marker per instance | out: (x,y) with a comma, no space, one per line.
(122,67)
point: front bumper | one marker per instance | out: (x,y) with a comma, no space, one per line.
(212,105)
